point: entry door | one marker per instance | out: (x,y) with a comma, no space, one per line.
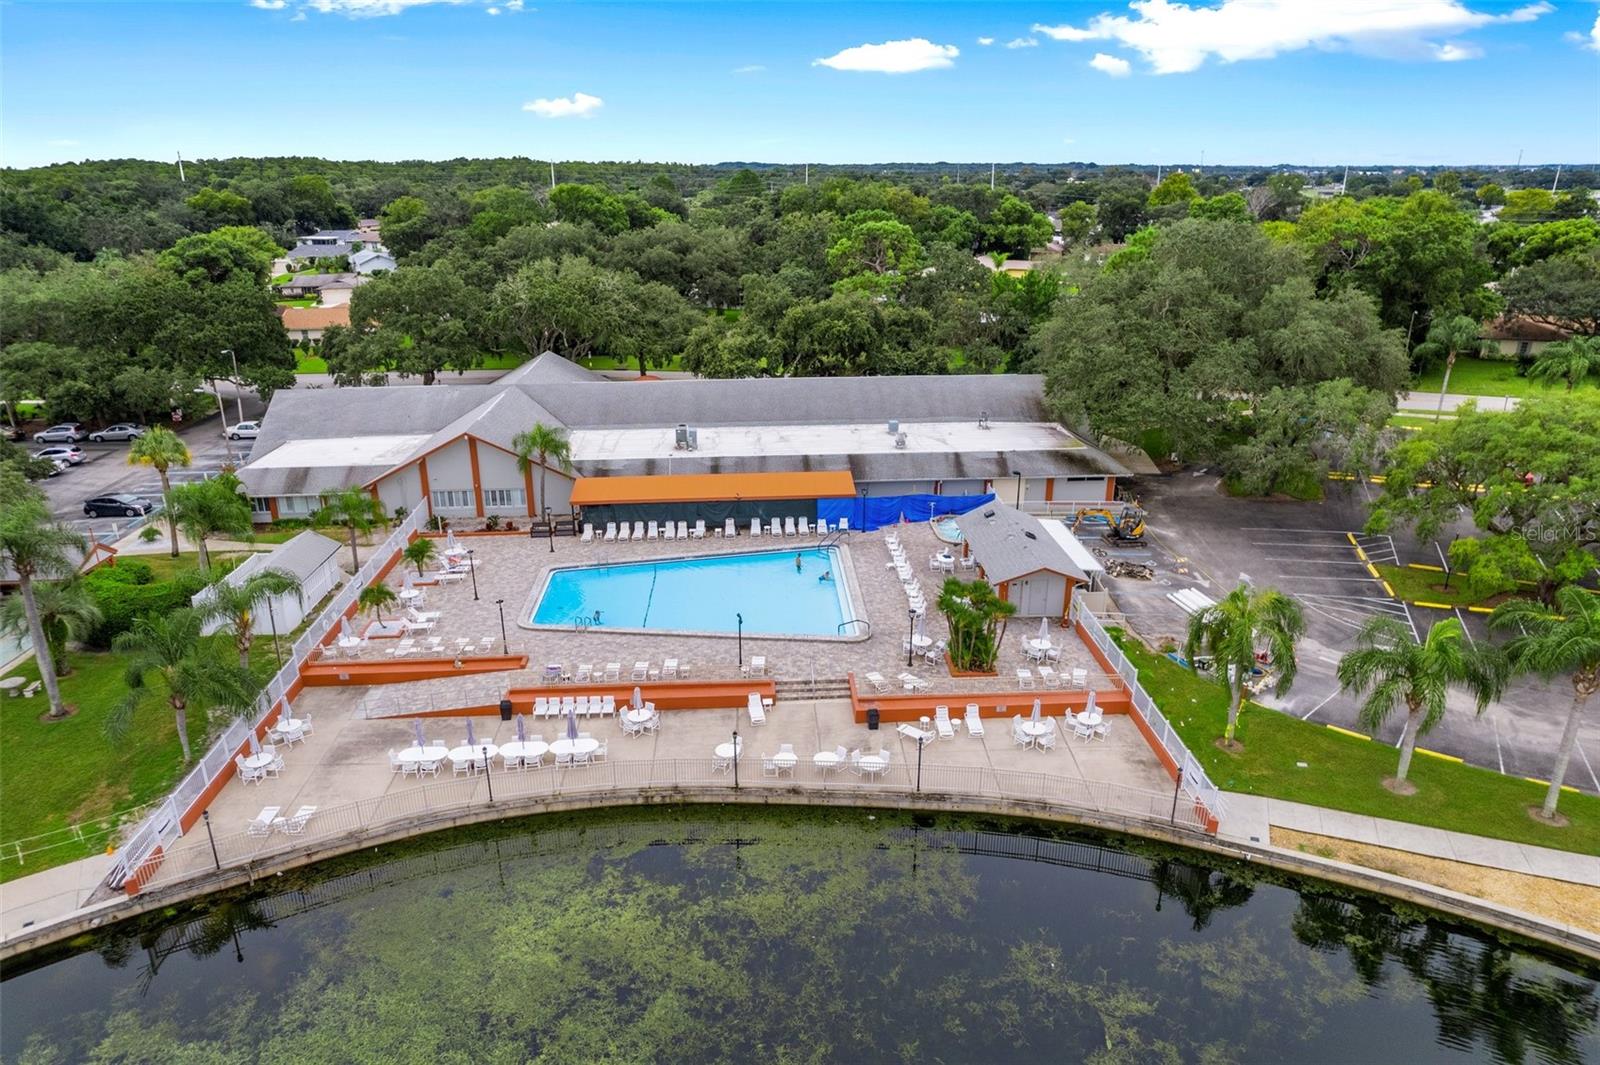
(1032,596)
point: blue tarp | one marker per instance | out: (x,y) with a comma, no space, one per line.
(877,511)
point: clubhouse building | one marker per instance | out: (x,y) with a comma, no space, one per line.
(878,449)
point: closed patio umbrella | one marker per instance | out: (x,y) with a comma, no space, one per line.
(416,724)
(1037,709)
(638,698)
(572,722)
(1088,707)
(1044,630)
(522,735)
(472,741)
(255,743)
(344,627)
(450,540)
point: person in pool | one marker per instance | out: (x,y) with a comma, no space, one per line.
(799,563)
(827,575)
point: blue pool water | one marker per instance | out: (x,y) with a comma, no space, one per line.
(704,594)
(948,530)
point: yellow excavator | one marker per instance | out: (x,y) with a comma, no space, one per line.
(1124,525)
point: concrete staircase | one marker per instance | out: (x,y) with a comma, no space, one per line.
(809,690)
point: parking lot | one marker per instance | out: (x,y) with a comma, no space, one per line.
(1201,539)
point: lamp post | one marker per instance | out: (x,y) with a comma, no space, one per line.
(920,741)
(488,777)
(206,816)
(911,636)
(862,524)
(1019,489)
(736,758)
(472,567)
(739,621)
(505,644)
(550,527)
(222,416)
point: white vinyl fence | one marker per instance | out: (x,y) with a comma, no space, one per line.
(164,826)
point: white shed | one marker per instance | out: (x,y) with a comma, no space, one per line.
(310,558)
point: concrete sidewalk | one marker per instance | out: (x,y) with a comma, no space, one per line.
(49,895)
(1251,818)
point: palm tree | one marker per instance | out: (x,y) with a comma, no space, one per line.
(170,647)
(1229,632)
(209,508)
(1449,337)
(1396,668)
(67,612)
(544,444)
(33,546)
(356,510)
(375,597)
(420,552)
(161,448)
(1570,361)
(1551,642)
(236,604)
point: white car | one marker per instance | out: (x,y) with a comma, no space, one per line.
(245,431)
(62,453)
(120,431)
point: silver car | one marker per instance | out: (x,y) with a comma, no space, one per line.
(65,433)
(245,431)
(120,431)
(61,452)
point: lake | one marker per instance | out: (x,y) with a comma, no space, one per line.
(711,934)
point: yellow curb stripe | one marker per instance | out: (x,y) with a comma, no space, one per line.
(1420,565)
(1436,754)
(1388,589)
(1432,606)
(1374,571)
(1352,537)
(1542,783)
(1481,609)
(1347,732)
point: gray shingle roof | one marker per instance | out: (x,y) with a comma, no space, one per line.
(318,251)
(1009,544)
(299,557)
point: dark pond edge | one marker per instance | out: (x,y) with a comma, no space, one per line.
(1254,863)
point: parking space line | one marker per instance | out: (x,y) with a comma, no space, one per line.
(1499,756)
(1579,745)
(1312,561)
(1320,705)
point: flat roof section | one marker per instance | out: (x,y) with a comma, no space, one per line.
(342,451)
(739,441)
(712,487)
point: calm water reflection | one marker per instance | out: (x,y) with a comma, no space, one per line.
(814,936)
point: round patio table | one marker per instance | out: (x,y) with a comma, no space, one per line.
(11,684)
(825,760)
(581,745)
(872,763)
(785,761)
(1090,718)
(725,750)
(474,753)
(922,641)
(641,716)
(410,595)
(430,753)
(1035,728)
(259,761)
(530,750)
(1037,644)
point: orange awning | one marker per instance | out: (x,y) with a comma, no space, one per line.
(712,487)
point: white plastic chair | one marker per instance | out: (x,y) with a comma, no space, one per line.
(297,824)
(262,825)
(611,532)
(651,532)
(974,721)
(588,534)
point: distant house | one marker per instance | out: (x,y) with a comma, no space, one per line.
(1011,267)
(332,243)
(1522,338)
(310,558)
(323,285)
(308,323)
(371,260)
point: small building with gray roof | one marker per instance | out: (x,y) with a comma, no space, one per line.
(1025,563)
(310,558)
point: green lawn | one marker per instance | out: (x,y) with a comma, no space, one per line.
(308,364)
(1418,421)
(1426,585)
(303,301)
(1487,377)
(1345,773)
(68,772)
(607,362)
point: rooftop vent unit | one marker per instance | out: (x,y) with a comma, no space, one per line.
(894,426)
(983,419)
(681,438)
(900,440)
(694,439)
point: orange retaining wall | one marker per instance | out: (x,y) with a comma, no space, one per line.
(667,695)
(337,674)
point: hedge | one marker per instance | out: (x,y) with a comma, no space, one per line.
(126,591)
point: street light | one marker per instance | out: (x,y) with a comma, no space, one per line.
(238,395)
(911,635)
(736,758)
(222,415)
(473,566)
(739,618)
(505,644)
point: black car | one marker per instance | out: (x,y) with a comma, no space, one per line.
(117,506)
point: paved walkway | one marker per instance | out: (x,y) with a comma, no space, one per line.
(1251,818)
(44,897)
(1429,401)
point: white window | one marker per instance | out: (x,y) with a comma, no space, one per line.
(260,505)
(298,506)
(504,499)
(452,499)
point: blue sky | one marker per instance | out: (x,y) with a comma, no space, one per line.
(1245,81)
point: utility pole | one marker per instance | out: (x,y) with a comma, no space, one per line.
(808,173)
(991,177)
(1519,158)
(552,173)
(1344,182)
(1557,181)
(1202,158)
(181,178)
(1158,173)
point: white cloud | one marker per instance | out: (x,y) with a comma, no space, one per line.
(1454,52)
(578,105)
(1175,38)
(370,8)
(893,57)
(1110,64)
(1023,42)
(986,41)
(493,10)
(1590,41)
(752,68)
(270,5)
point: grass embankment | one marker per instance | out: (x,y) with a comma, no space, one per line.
(1345,773)
(1487,377)
(1426,586)
(315,364)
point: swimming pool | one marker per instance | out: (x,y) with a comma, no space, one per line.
(704,594)
(947,530)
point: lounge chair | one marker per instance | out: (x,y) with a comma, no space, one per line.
(585,673)
(844,524)
(699,530)
(297,824)
(683,530)
(758,713)
(421,616)
(757,666)
(650,532)
(804,525)
(1024,678)
(941,722)
(877,682)
(611,532)
(788,527)
(974,721)
(729,529)
(755,526)
(1048,678)
(913,733)
(671,531)
(669,669)
(588,534)
(613,671)
(541,707)
(624,533)
(638,530)
(641,671)
(262,825)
